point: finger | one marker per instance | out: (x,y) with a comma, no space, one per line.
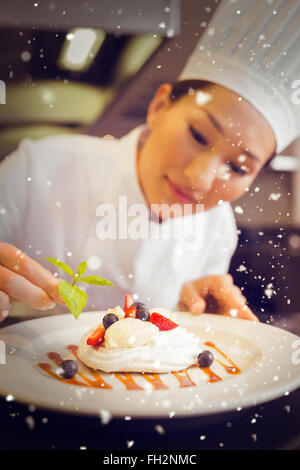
(190,296)
(222,289)
(23,290)
(54,294)
(181,306)
(245,313)
(239,294)
(229,297)
(205,284)
(235,304)
(17,261)
(4,305)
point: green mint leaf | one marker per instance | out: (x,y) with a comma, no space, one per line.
(96,281)
(81,269)
(74,297)
(62,266)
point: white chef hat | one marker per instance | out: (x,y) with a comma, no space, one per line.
(253,48)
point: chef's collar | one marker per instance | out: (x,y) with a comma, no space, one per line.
(135,189)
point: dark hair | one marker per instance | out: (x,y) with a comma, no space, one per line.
(187,87)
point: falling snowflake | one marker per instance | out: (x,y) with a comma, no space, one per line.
(202,98)
(30,422)
(170,33)
(269,291)
(233,312)
(9,397)
(274,196)
(238,210)
(94,262)
(26,56)
(158,428)
(105,416)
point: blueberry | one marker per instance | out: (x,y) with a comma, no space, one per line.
(138,305)
(70,368)
(142,313)
(205,358)
(109,319)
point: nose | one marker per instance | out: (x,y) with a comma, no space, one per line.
(202,171)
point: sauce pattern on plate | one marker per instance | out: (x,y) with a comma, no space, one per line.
(127,379)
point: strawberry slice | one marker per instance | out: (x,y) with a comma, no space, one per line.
(131,312)
(162,322)
(97,336)
(128,301)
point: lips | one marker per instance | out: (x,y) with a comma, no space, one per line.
(181,193)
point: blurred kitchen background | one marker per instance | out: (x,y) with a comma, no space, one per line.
(93,66)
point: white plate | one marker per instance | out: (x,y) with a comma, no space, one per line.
(263,353)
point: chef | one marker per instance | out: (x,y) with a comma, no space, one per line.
(204,141)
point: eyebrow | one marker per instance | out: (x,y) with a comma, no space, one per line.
(214,121)
(219,128)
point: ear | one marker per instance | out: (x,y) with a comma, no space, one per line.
(160,101)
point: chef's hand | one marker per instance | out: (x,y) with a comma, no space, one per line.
(215,294)
(24,280)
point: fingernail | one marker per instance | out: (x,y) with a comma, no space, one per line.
(233,312)
(3,315)
(194,308)
(49,305)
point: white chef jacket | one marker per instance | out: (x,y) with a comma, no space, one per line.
(50,190)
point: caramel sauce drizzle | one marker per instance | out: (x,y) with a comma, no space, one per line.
(99,380)
(183,378)
(155,381)
(127,379)
(57,359)
(233,368)
(212,376)
(47,368)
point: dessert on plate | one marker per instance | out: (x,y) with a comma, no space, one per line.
(135,339)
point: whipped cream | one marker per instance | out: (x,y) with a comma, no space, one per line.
(165,351)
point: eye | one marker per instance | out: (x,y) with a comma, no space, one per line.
(237,169)
(197,136)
